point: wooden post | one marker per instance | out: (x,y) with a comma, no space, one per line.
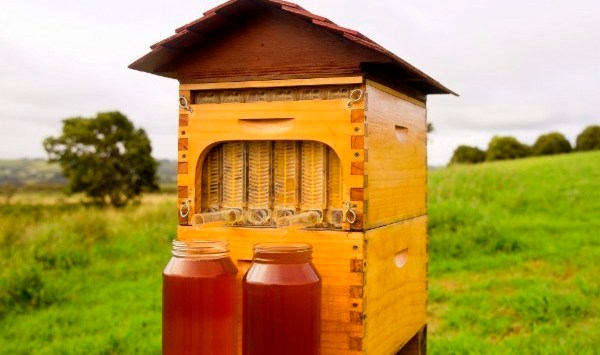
(417,345)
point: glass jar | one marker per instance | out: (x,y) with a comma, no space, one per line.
(199,299)
(282,301)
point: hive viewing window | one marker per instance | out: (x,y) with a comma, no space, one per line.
(303,93)
(271,184)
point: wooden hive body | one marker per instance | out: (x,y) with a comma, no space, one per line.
(242,85)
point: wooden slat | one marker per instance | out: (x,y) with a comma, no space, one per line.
(356,343)
(182,168)
(182,191)
(357,194)
(274,83)
(417,345)
(337,351)
(396,159)
(395,299)
(337,256)
(357,142)
(357,116)
(357,168)
(184,118)
(308,120)
(396,93)
(182,144)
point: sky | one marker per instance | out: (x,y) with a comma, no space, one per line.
(522,68)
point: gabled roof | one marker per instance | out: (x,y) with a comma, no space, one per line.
(199,32)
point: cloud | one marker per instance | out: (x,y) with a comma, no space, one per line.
(522,67)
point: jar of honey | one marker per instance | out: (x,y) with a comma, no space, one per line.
(282,301)
(199,300)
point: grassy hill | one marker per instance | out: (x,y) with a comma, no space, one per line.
(514,250)
(30,172)
(38,173)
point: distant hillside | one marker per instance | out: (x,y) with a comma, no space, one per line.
(30,172)
(167,172)
(38,172)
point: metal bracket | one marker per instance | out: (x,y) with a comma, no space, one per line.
(355,96)
(350,214)
(184,210)
(184,104)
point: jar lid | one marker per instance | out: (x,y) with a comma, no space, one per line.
(200,248)
(282,252)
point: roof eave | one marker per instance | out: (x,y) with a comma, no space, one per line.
(165,51)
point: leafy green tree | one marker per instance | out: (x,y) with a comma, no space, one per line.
(589,139)
(550,144)
(465,154)
(504,148)
(105,157)
(430,127)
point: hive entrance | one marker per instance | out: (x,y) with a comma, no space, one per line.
(272,183)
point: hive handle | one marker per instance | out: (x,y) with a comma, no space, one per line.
(184,104)
(355,96)
(350,214)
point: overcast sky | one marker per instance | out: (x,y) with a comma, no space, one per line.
(522,67)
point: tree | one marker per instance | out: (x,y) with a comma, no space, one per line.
(503,148)
(550,144)
(105,157)
(430,127)
(589,139)
(465,154)
(8,190)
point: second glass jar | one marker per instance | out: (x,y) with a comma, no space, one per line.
(282,301)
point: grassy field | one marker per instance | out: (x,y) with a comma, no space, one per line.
(515,257)
(514,246)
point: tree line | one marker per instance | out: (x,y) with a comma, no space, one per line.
(507,147)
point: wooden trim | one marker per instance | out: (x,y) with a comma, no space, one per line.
(182,144)
(357,168)
(356,265)
(185,93)
(357,142)
(342,311)
(182,191)
(355,343)
(182,168)
(417,345)
(357,116)
(395,93)
(356,318)
(357,194)
(356,291)
(273,83)
(184,119)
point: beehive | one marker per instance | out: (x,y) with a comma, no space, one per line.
(306,131)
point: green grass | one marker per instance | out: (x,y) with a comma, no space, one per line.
(515,251)
(514,265)
(78,280)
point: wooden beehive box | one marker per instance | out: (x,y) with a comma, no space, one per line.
(262,80)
